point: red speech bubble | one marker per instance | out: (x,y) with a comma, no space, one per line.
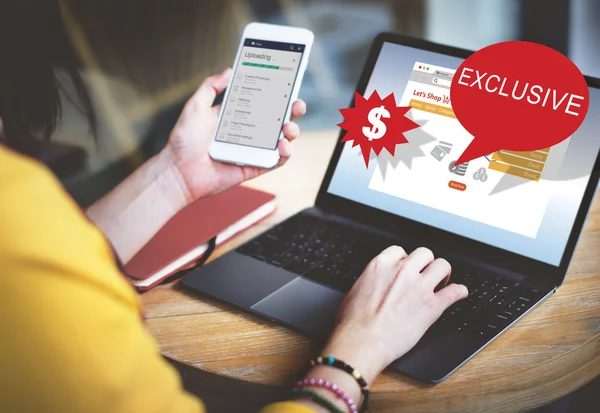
(517,96)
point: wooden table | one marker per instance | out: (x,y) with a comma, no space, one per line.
(236,361)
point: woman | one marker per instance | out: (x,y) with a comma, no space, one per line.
(72,337)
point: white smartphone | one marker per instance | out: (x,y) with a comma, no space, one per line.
(267,74)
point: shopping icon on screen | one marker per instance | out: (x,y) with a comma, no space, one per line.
(480,175)
(460,170)
(441,150)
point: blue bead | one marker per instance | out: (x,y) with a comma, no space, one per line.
(331,359)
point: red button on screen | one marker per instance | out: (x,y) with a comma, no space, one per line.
(459,186)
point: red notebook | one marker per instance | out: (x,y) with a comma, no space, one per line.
(185,238)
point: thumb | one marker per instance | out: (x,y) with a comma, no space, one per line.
(451,294)
(211,87)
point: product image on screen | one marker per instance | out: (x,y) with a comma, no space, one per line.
(256,105)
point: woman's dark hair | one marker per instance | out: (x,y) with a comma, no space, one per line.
(33,46)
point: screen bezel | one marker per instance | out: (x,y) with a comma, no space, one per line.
(433,237)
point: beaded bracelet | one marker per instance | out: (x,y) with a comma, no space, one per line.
(334,388)
(333,362)
(317,398)
(339,364)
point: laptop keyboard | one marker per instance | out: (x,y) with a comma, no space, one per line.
(335,255)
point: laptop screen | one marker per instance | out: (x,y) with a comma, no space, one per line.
(523,202)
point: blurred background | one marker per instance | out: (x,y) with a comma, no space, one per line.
(143,58)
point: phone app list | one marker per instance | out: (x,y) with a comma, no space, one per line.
(259,96)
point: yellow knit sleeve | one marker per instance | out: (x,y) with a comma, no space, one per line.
(287,407)
(73,339)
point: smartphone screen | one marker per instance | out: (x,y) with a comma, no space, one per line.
(260,93)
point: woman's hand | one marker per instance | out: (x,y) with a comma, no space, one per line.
(384,315)
(187,149)
(390,307)
(181,173)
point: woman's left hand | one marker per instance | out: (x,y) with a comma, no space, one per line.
(187,149)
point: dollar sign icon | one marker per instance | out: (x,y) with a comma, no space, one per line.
(378,129)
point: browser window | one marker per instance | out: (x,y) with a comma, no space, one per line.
(466,189)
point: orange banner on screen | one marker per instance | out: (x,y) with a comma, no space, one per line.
(515,170)
(518,161)
(432,108)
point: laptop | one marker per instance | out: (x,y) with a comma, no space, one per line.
(508,224)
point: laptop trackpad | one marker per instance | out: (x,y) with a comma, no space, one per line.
(303,305)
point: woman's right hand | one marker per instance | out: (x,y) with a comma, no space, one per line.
(390,307)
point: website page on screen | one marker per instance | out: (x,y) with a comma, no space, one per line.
(260,93)
(524,202)
(465,190)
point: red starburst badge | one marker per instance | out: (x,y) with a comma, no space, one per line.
(376,123)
